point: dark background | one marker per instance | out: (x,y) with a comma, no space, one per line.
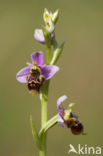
(80,77)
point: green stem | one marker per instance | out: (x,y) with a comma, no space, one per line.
(50,123)
(44,95)
(44,101)
(48,45)
(48,53)
(42,153)
(44,115)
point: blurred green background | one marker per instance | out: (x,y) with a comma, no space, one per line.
(80,77)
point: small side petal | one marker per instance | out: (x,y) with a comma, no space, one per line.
(39,36)
(38,57)
(61,124)
(52,35)
(60,121)
(73,115)
(29,64)
(60,100)
(49,70)
(22,74)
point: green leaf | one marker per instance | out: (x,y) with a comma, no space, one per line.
(55,16)
(54,43)
(34,133)
(57,53)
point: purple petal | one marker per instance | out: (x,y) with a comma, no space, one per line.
(73,115)
(62,124)
(29,64)
(22,74)
(61,121)
(49,70)
(38,57)
(52,35)
(39,36)
(59,101)
(60,118)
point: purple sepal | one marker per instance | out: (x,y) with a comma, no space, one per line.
(49,70)
(60,120)
(61,110)
(59,101)
(38,57)
(39,36)
(22,74)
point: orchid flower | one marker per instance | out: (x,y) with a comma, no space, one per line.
(39,36)
(36,73)
(67,118)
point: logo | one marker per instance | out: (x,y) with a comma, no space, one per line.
(84,149)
